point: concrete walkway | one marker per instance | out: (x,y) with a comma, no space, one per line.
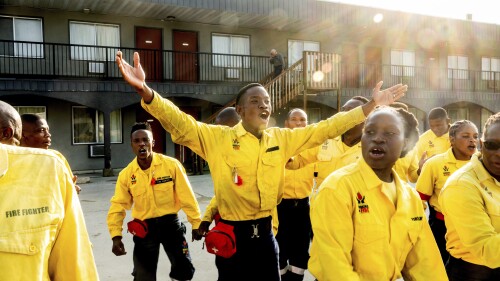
(95,197)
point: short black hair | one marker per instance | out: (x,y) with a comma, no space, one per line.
(438,113)
(360,98)
(141,126)
(30,118)
(244,90)
(398,104)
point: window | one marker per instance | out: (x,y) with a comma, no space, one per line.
(94,34)
(88,126)
(38,110)
(490,68)
(21,29)
(296,47)
(313,115)
(457,114)
(485,114)
(458,67)
(402,63)
(238,46)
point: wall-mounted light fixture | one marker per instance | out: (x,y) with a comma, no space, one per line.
(86,10)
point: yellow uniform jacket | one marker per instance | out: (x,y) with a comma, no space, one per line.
(42,229)
(470,202)
(360,234)
(434,174)
(161,190)
(248,172)
(298,183)
(429,142)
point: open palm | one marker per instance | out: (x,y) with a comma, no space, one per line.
(135,75)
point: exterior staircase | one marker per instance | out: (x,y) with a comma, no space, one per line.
(315,72)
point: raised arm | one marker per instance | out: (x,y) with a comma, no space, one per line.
(135,75)
(384,97)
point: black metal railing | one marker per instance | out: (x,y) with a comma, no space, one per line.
(20,59)
(424,78)
(27,59)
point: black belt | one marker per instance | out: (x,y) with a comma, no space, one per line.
(254,228)
(295,202)
(162,219)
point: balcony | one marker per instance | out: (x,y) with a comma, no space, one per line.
(420,78)
(28,60)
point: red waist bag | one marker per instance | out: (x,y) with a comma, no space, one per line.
(221,241)
(138,228)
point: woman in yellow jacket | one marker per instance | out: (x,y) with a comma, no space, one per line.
(470,202)
(367,224)
(436,170)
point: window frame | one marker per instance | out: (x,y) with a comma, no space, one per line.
(290,61)
(403,69)
(216,57)
(96,133)
(43,113)
(18,47)
(458,73)
(489,74)
(96,49)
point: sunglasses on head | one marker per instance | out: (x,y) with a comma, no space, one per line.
(491,145)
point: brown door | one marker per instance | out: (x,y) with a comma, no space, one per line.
(185,56)
(158,131)
(350,66)
(148,41)
(373,66)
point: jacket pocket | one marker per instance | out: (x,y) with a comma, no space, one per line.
(28,242)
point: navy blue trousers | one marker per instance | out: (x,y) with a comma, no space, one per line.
(169,232)
(256,256)
(294,232)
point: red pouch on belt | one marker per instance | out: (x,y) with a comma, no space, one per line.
(138,228)
(221,241)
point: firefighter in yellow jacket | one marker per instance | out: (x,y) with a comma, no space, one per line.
(36,134)
(367,224)
(43,234)
(435,172)
(247,163)
(294,229)
(470,202)
(156,188)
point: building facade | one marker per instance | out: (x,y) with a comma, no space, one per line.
(57,60)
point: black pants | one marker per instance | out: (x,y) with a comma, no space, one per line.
(460,270)
(294,232)
(170,233)
(256,256)
(277,70)
(438,228)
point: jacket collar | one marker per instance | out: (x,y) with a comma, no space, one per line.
(478,167)
(154,162)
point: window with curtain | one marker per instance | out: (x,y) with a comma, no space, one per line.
(490,68)
(296,47)
(237,46)
(97,35)
(458,67)
(457,114)
(402,63)
(38,110)
(88,126)
(485,114)
(21,29)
